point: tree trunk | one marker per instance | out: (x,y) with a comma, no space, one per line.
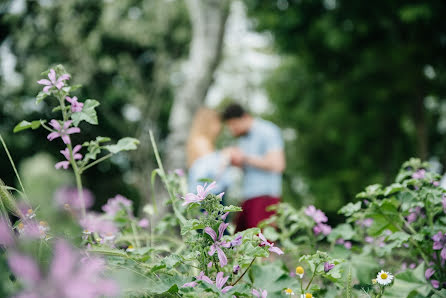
(208,19)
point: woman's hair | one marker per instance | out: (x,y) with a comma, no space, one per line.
(205,125)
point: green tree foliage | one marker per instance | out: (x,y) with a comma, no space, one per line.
(361,83)
(123,52)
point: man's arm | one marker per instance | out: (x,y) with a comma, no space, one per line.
(273,161)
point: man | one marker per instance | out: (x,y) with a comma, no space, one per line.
(261,155)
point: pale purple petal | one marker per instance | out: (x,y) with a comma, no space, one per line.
(66,139)
(189,284)
(67,124)
(73,130)
(221,229)
(59,85)
(221,257)
(53,135)
(276,250)
(255,293)
(204,278)
(237,241)
(224,216)
(55,124)
(226,289)
(24,268)
(211,233)
(220,195)
(44,82)
(6,237)
(66,153)
(64,77)
(143,223)
(52,76)
(443,253)
(435,283)
(46,89)
(62,164)
(264,241)
(64,261)
(428,273)
(212,249)
(220,280)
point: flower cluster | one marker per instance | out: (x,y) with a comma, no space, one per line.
(319,218)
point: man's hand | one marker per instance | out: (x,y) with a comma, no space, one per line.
(237,157)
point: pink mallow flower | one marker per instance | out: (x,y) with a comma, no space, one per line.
(440,244)
(53,81)
(6,237)
(271,248)
(143,223)
(328,267)
(62,131)
(69,275)
(75,105)
(259,293)
(66,152)
(114,205)
(317,215)
(218,244)
(414,214)
(220,281)
(202,192)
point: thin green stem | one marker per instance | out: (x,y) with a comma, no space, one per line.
(312,277)
(84,168)
(14,167)
(135,234)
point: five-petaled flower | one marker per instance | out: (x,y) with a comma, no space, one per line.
(202,192)
(66,152)
(53,81)
(271,248)
(259,293)
(216,246)
(62,131)
(220,282)
(75,105)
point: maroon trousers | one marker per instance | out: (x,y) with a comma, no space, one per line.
(254,212)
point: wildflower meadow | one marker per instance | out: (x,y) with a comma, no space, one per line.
(391,244)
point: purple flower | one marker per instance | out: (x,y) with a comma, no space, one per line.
(75,105)
(435,283)
(53,81)
(6,237)
(202,192)
(317,215)
(368,239)
(66,152)
(328,267)
(93,223)
(220,282)
(348,245)
(237,241)
(143,223)
(210,264)
(216,246)
(68,198)
(29,229)
(436,183)
(259,293)
(419,174)
(69,275)
(271,248)
(235,269)
(415,213)
(440,244)
(62,131)
(428,273)
(322,228)
(114,205)
(204,278)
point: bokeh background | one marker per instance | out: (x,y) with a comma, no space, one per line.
(357,87)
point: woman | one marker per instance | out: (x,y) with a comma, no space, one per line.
(204,161)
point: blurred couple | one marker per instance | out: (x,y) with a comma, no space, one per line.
(259,153)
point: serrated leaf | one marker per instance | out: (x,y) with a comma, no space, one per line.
(232,208)
(87,114)
(124,144)
(350,209)
(27,125)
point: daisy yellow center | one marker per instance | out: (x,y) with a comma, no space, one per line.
(130,247)
(21,225)
(383,275)
(308,295)
(29,211)
(288,291)
(299,270)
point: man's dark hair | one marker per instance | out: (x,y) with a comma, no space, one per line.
(233,111)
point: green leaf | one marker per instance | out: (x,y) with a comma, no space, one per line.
(87,114)
(26,125)
(393,188)
(344,231)
(41,96)
(124,144)
(232,208)
(350,209)
(270,233)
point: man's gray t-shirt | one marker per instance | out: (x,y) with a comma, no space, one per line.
(262,138)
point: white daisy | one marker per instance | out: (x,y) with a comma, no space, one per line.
(289,292)
(384,278)
(130,248)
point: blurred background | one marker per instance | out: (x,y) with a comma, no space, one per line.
(357,87)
